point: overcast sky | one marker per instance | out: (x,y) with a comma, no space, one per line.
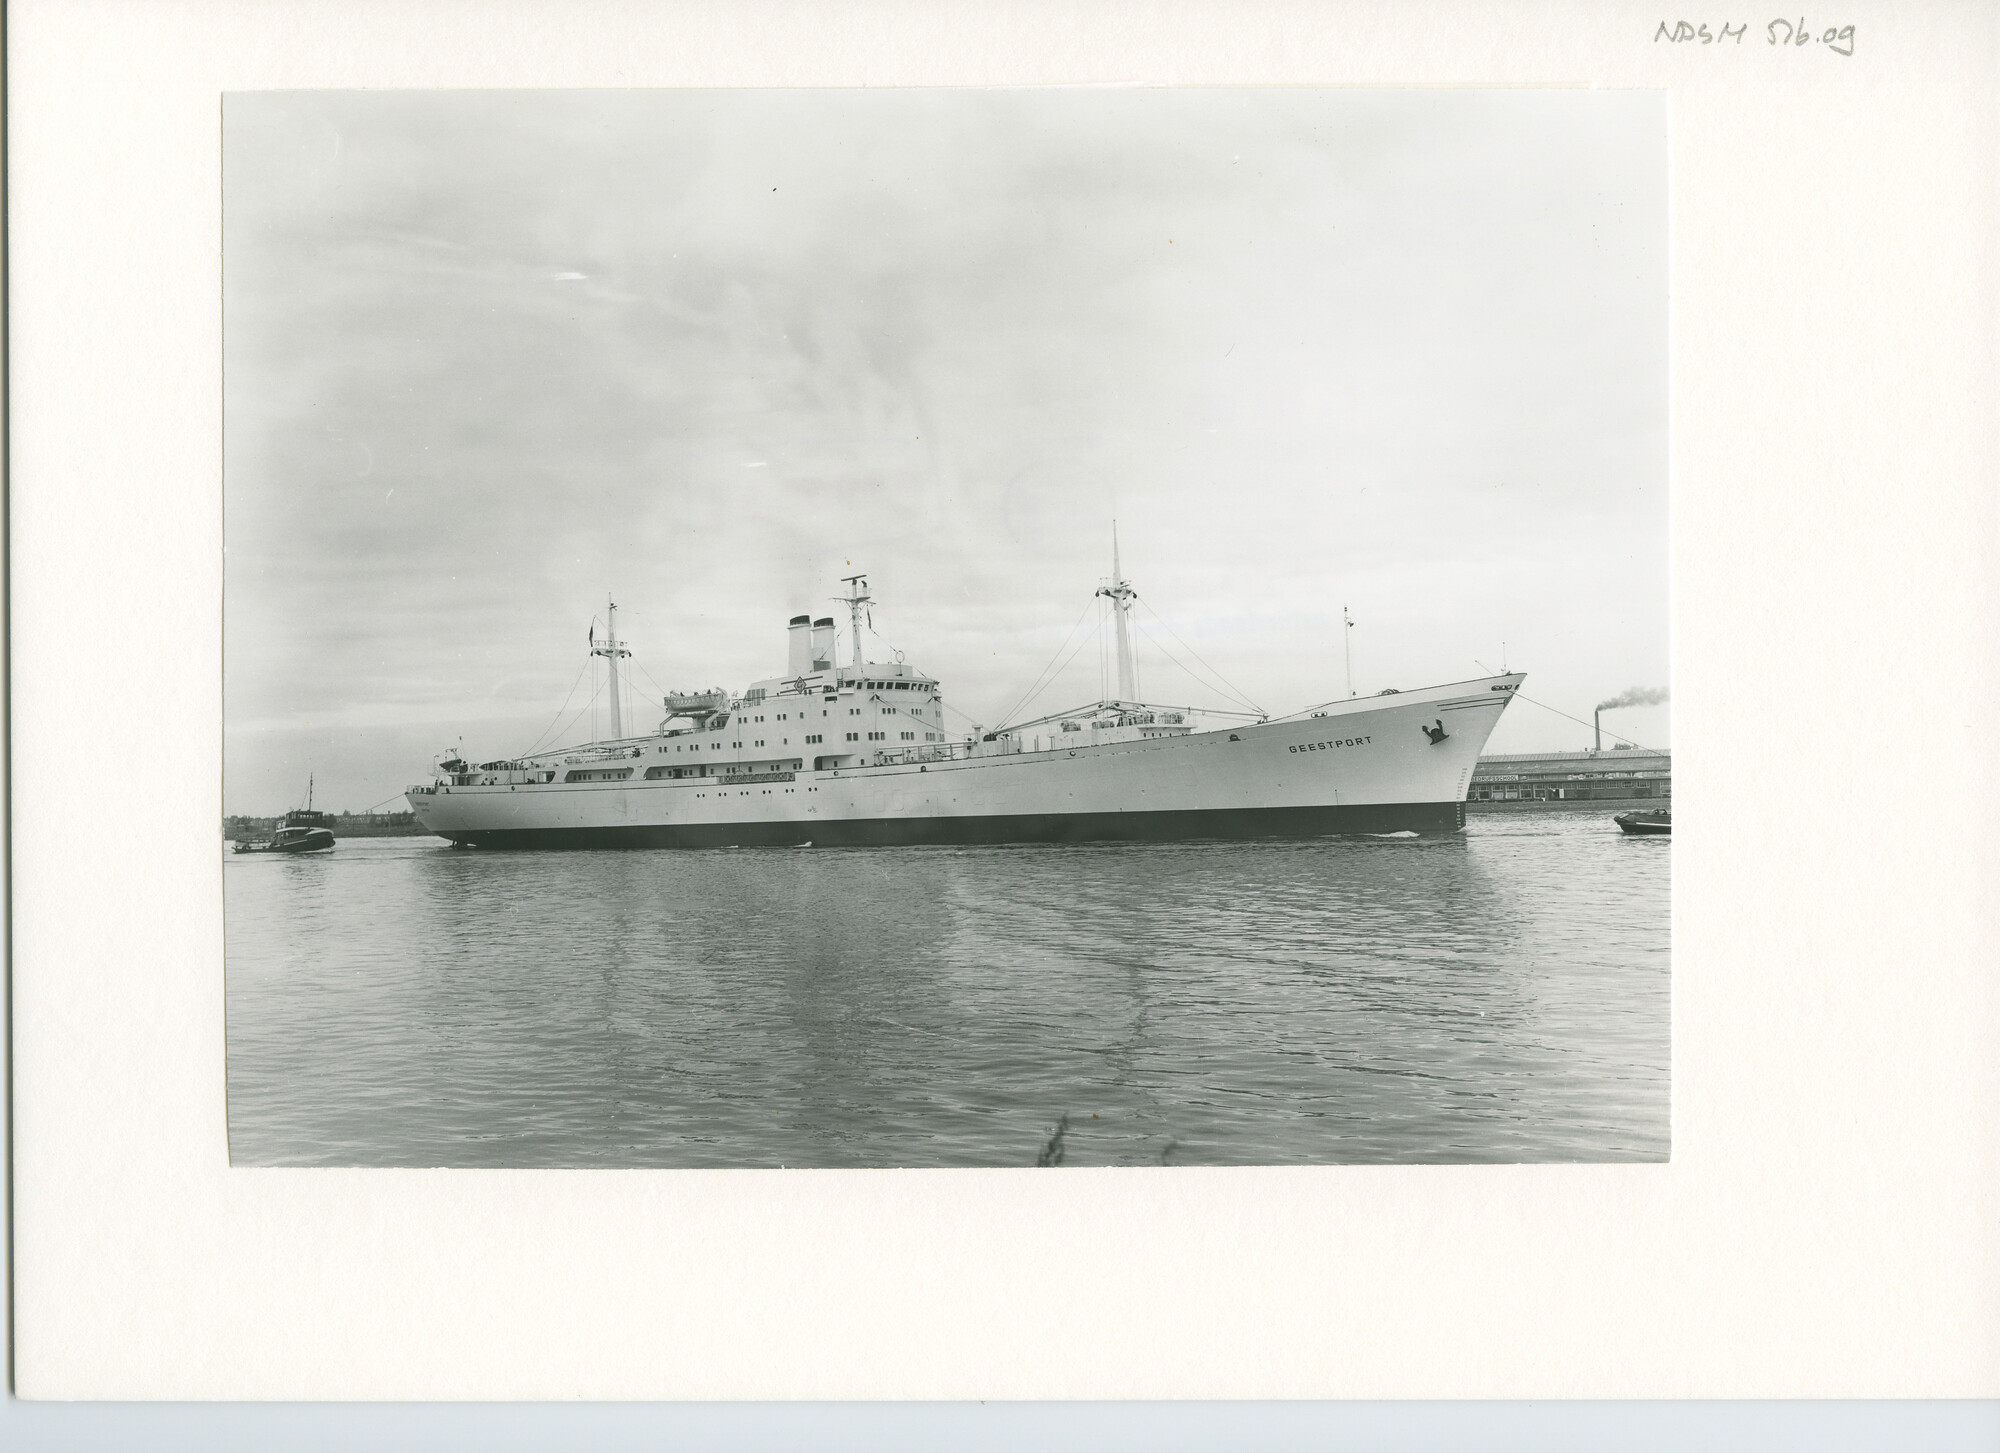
(490,356)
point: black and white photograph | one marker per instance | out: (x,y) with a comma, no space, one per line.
(1006,628)
(927,725)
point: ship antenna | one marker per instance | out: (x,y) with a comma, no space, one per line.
(1122,595)
(858,600)
(1347,646)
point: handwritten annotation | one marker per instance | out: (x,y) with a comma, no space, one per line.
(1837,38)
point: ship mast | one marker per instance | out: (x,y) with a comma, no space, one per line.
(858,600)
(612,651)
(1347,646)
(1122,595)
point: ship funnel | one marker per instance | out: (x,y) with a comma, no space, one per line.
(798,659)
(822,644)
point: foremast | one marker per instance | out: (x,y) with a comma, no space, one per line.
(1121,595)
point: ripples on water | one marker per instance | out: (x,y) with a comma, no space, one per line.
(1495,996)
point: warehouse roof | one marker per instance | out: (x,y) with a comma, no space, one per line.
(1612,762)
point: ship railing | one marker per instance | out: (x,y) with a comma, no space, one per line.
(911,756)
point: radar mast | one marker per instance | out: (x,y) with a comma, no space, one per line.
(858,600)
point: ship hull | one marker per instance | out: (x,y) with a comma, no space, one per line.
(1074,827)
(317,840)
(1367,766)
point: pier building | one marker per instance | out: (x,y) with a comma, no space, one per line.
(1616,774)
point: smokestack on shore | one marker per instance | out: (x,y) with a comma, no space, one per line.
(798,660)
(1636,696)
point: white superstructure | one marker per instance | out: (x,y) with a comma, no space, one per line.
(859,753)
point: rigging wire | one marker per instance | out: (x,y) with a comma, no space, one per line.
(1037,684)
(658,689)
(1198,656)
(572,722)
(1103,666)
(1078,651)
(1615,736)
(593,675)
(893,649)
(1594,726)
(566,726)
(1192,676)
(593,706)
(561,709)
(960,715)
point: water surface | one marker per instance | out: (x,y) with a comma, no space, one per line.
(1498,995)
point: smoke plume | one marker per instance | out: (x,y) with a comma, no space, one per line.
(1636,696)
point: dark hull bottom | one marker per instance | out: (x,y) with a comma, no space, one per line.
(1231,823)
(1644,824)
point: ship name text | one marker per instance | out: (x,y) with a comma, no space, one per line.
(1328,746)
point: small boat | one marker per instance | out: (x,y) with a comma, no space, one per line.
(1645,824)
(305,831)
(293,837)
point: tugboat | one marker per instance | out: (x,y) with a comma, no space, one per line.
(305,831)
(1645,824)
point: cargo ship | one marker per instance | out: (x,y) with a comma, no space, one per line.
(856,752)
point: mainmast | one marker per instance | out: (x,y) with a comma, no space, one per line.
(612,651)
(858,600)
(1122,595)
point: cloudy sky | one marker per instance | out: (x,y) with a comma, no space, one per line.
(490,356)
